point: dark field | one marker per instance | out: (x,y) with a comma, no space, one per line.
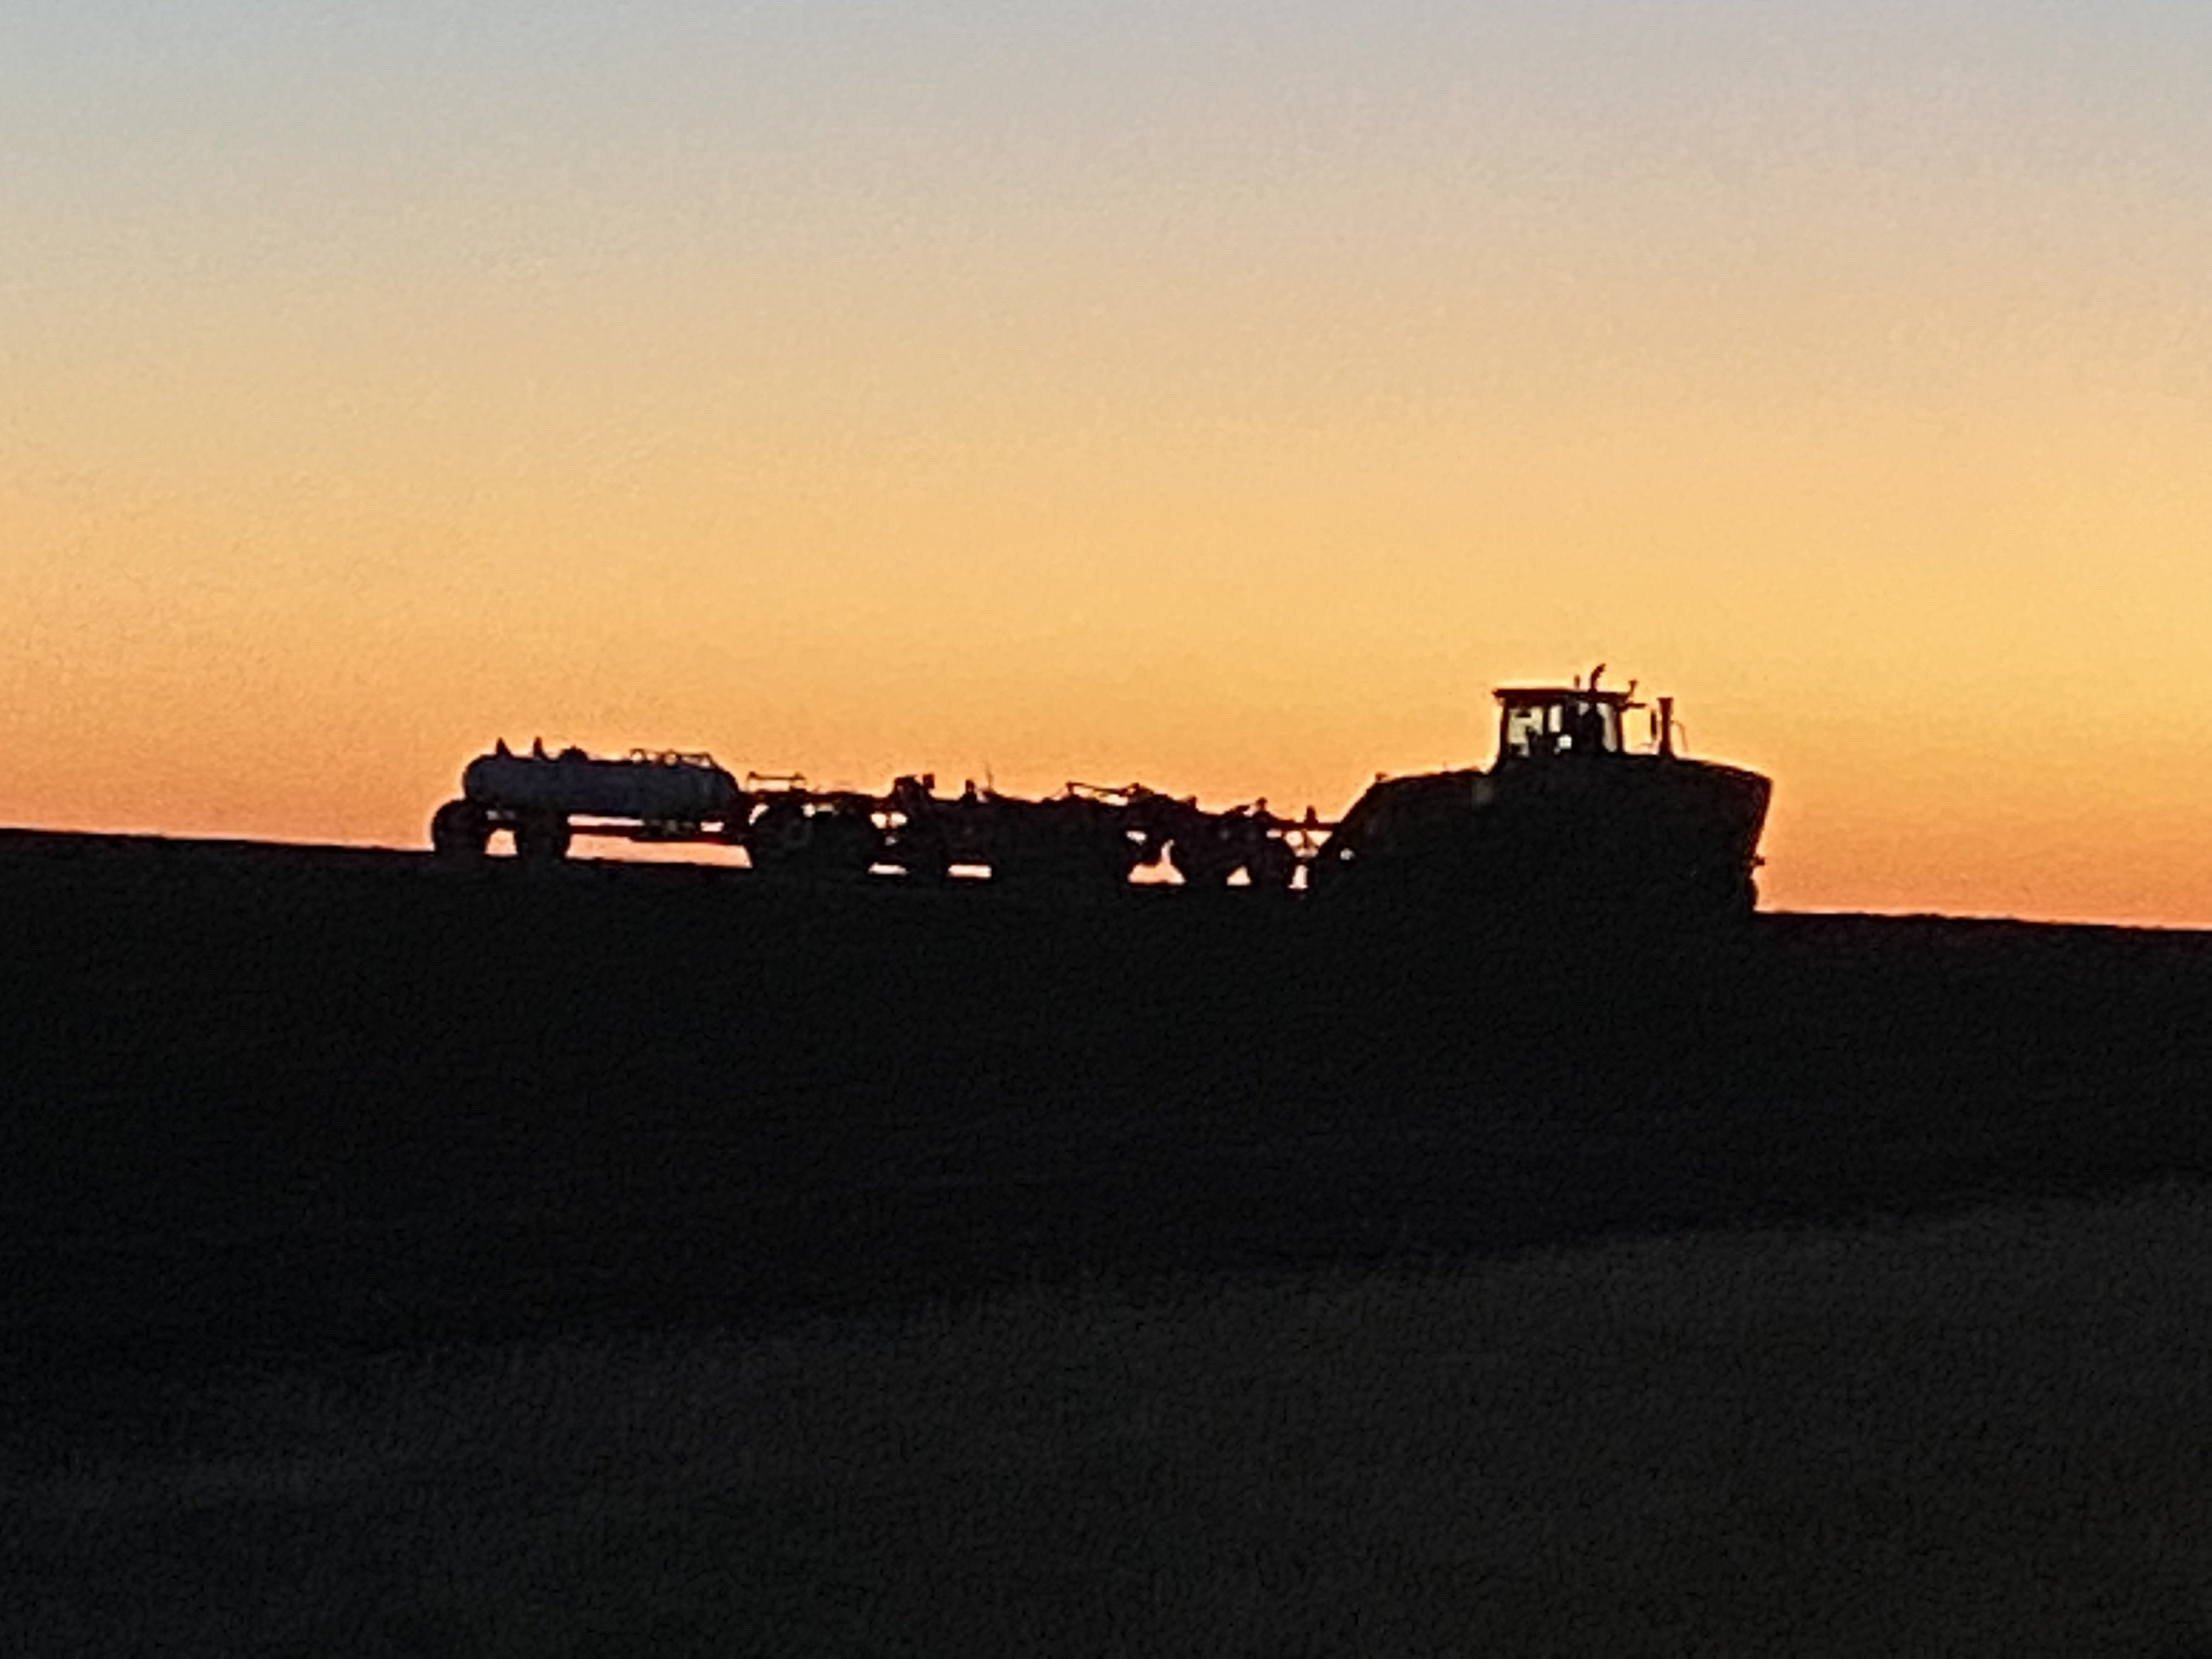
(323,1161)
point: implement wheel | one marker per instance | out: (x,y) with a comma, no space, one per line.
(1271,867)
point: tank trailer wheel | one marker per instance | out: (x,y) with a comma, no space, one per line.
(541,837)
(459,830)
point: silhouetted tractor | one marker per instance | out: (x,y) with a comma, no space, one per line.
(1567,823)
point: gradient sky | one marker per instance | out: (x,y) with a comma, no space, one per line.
(1220,396)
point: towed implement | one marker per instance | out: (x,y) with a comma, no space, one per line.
(1087,837)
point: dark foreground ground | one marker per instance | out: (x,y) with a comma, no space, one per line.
(259,1102)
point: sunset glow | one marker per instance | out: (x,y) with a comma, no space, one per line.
(1107,392)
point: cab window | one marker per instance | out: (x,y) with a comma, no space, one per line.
(1527,731)
(1569,725)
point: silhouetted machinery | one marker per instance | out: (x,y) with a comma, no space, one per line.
(544,799)
(1085,837)
(1567,819)
(1566,822)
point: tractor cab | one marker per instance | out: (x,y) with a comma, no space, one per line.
(1540,722)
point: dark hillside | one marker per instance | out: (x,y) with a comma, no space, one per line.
(267,1100)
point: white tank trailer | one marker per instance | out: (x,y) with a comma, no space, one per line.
(540,798)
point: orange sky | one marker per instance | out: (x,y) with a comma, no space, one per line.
(1227,411)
